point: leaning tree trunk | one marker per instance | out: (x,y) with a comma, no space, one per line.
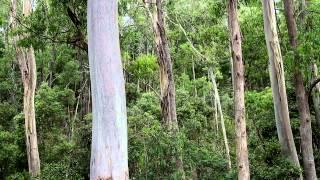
(167,86)
(316,94)
(27,65)
(109,153)
(218,105)
(301,96)
(278,83)
(239,104)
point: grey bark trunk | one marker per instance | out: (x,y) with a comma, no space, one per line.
(109,149)
(301,96)
(278,83)
(27,65)
(239,103)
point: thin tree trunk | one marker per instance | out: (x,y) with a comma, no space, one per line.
(316,94)
(167,85)
(51,64)
(278,84)
(224,133)
(194,78)
(239,103)
(27,65)
(301,96)
(231,63)
(138,86)
(109,150)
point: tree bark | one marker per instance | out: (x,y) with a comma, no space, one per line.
(301,96)
(27,65)
(109,149)
(316,94)
(239,103)
(278,83)
(218,105)
(167,85)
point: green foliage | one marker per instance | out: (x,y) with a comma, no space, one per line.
(145,131)
(144,66)
(266,159)
(198,40)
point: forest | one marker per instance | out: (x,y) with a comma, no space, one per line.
(159,89)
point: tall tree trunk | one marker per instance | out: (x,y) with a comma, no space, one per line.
(239,104)
(278,83)
(167,86)
(27,65)
(316,94)
(224,133)
(301,96)
(109,149)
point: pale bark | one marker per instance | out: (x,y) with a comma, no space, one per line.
(316,94)
(301,96)
(239,102)
(109,149)
(218,105)
(27,65)
(278,83)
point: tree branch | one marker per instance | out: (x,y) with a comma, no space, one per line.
(313,84)
(79,40)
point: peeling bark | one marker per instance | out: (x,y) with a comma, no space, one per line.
(27,65)
(167,85)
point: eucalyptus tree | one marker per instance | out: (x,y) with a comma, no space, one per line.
(167,85)
(238,84)
(301,96)
(109,151)
(278,83)
(27,65)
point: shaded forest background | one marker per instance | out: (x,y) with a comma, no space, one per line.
(199,41)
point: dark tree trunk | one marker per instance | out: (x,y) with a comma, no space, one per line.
(167,86)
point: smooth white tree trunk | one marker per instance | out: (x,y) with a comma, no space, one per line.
(278,83)
(109,154)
